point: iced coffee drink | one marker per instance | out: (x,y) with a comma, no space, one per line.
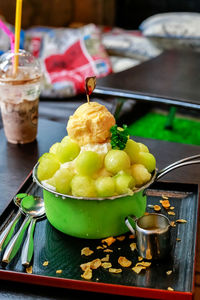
(19,97)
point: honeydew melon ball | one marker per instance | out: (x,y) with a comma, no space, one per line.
(48,165)
(116,160)
(83,186)
(67,150)
(105,186)
(65,139)
(132,149)
(140,174)
(101,173)
(143,147)
(62,180)
(124,183)
(54,148)
(148,160)
(88,162)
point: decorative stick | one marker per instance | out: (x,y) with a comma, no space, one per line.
(90,84)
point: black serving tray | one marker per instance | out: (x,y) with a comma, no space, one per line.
(63,252)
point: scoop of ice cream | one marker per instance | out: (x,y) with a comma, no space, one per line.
(90,124)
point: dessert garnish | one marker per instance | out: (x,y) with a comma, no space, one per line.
(90,84)
(119,137)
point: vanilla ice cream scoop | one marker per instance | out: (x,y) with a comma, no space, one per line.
(90,124)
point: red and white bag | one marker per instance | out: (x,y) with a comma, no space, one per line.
(68,56)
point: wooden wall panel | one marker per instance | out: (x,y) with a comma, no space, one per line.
(60,12)
(96,11)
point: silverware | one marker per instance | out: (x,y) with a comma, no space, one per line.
(28,247)
(6,234)
(32,206)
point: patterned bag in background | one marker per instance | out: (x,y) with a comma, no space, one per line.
(68,56)
(129,43)
(127,48)
(175,30)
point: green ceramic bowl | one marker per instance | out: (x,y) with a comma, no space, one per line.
(92,218)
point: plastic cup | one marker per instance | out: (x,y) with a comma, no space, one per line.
(19,96)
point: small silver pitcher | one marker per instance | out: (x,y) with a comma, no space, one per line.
(153,235)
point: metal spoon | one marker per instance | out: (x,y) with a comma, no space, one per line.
(9,229)
(27,250)
(33,207)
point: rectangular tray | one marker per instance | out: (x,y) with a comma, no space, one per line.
(64,252)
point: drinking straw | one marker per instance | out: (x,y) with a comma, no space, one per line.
(18,16)
(9,34)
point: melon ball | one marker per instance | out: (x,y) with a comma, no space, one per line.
(116,160)
(140,174)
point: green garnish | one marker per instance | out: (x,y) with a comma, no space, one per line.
(119,137)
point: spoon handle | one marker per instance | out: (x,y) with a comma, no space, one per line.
(8,231)
(16,241)
(27,250)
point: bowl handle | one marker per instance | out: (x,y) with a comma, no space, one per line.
(180,163)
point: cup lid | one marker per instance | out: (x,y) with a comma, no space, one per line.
(28,66)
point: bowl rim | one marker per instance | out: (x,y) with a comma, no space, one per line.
(64,196)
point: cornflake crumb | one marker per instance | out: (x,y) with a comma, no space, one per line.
(107,250)
(143,264)
(172,223)
(140,258)
(131,236)
(178,240)
(138,269)
(116,271)
(58,271)
(172,213)
(157,207)
(165,204)
(170,288)
(94,264)
(169,272)
(29,270)
(121,238)
(124,262)
(99,247)
(87,274)
(45,263)
(181,221)
(165,197)
(133,246)
(106,265)
(109,241)
(106,258)
(86,251)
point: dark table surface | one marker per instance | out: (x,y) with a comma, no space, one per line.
(170,78)
(16,162)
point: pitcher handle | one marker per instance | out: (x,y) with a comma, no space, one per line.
(128,224)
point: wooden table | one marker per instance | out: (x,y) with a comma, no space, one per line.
(16,161)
